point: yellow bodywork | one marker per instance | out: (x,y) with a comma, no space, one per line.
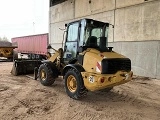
(6,52)
(93,79)
(54,57)
(58,54)
(92,56)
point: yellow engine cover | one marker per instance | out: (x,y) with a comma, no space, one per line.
(93,79)
(92,56)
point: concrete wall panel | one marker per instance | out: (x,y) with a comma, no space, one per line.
(138,23)
(89,7)
(62,12)
(158,62)
(117,46)
(151,20)
(128,24)
(57,31)
(56,34)
(102,5)
(82,8)
(145,59)
(125,3)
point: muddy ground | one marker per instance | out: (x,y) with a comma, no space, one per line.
(26,99)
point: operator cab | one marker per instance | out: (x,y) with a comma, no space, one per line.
(83,34)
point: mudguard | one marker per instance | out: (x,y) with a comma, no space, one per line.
(49,63)
(74,66)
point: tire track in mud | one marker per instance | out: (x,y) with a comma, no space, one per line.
(3,88)
(97,102)
(12,98)
(30,104)
(39,100)
(114,100)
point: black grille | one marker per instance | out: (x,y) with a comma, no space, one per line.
(111,66)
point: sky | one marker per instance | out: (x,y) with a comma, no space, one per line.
(23,17)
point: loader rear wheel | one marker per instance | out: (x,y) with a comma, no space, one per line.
(47,75)
(74,85)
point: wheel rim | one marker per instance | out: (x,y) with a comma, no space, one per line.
(71,83)
(43,75)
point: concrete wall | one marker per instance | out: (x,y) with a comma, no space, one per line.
(85,8)
(136,21)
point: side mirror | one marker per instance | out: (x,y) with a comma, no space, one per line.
(49,47)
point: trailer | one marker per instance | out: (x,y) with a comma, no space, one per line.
(34,46)
(31,51)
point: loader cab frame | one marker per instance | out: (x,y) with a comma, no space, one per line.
(83,34)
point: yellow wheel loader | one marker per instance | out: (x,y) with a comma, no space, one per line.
(6,50)
(86,62)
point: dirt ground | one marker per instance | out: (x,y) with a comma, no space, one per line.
(26,99)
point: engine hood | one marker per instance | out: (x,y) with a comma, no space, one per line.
(103,55)
(94,58)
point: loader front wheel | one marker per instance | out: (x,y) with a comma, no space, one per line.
(47,75)
(74,85)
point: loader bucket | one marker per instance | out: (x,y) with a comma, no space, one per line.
(23,67)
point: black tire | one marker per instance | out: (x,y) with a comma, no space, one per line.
(47,74)
(77,90)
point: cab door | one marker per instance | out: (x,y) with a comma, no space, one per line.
(72,38)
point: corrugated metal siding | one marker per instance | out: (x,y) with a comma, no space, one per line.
(36,44)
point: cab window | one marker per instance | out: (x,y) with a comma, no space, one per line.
(73,32)
(96,32)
